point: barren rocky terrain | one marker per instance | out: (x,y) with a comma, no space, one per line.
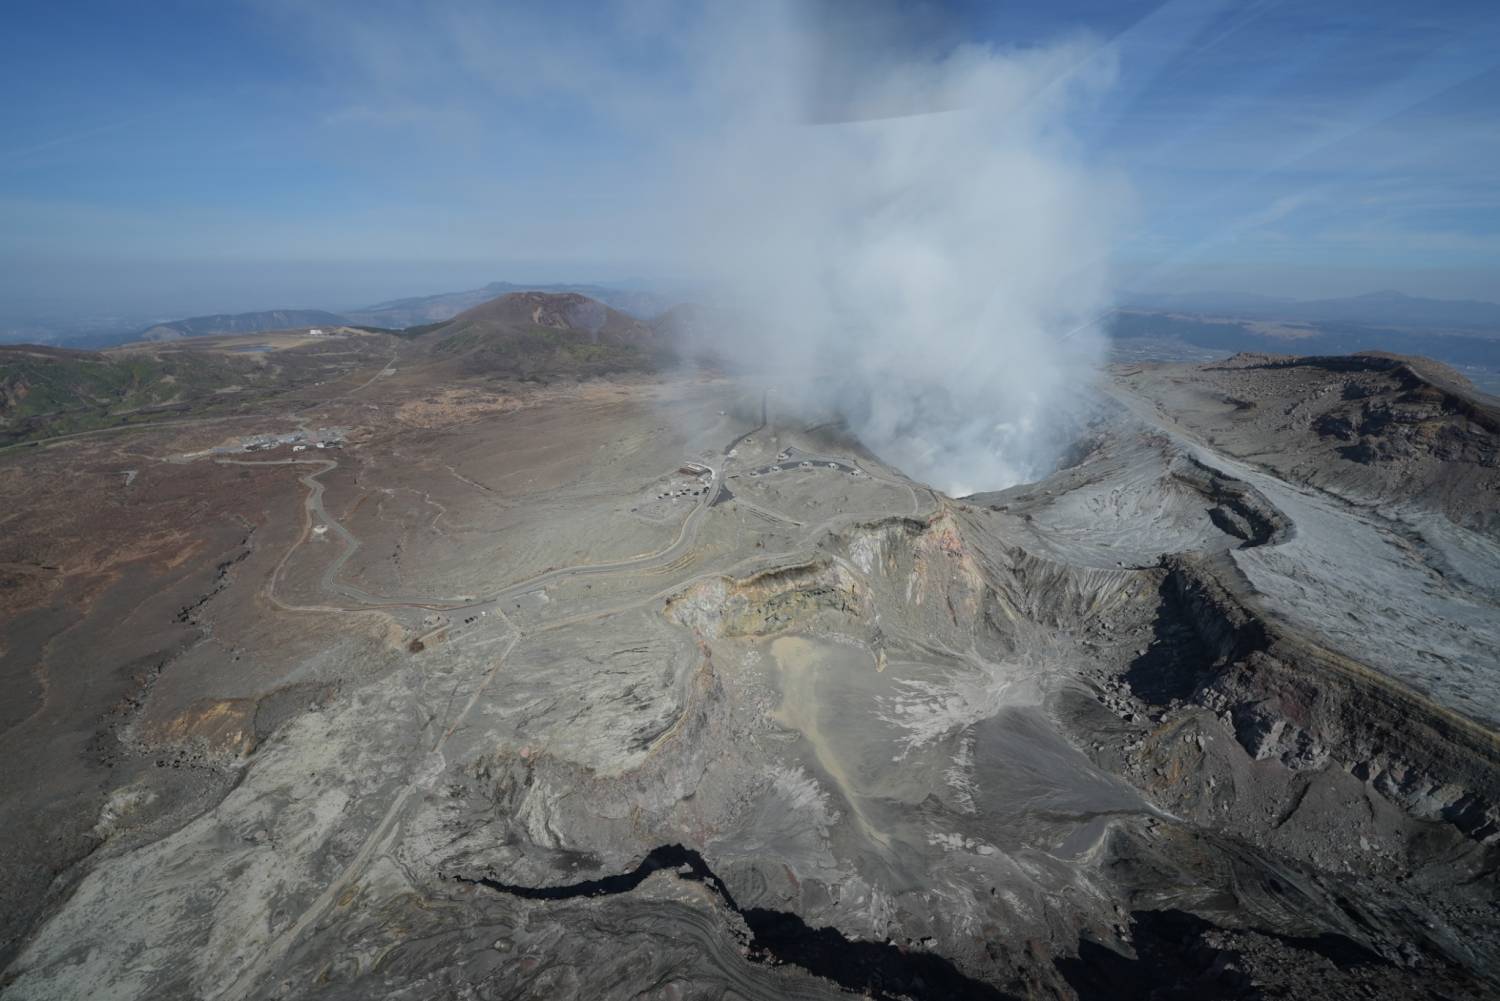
(641,687)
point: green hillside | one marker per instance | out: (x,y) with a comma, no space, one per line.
(49,391)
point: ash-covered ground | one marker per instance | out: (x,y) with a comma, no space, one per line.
(637,688)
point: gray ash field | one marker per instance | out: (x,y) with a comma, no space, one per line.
(636,687)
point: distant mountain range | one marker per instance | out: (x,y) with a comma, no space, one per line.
(397,314)
(1216,320)
(1378,309)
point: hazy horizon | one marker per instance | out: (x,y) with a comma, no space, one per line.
(339,287)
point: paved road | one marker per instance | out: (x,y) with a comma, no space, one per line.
(315,513)
(686,536)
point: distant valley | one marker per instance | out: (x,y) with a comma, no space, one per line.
(1386,309)
(241,323)
(1196,327)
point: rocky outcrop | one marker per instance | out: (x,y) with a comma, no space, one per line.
(1289,698)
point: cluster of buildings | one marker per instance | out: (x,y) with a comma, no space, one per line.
(698,471)
(299,440)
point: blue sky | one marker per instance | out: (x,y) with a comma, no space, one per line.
(164,158)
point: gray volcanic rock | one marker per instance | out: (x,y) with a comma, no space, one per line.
(608,690)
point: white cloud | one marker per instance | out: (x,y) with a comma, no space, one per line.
(916,272)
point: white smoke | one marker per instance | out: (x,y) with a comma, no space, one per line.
(920,263)
(901,217)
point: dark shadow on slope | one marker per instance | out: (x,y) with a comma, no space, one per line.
(1176,661)
(1176,961)
(874,969)
(879,970)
